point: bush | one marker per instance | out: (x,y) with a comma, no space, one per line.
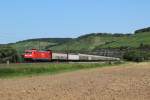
(7,53)
(136,55)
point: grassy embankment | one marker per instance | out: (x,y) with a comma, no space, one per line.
(15,70)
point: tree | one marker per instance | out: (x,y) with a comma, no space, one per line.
(8,53)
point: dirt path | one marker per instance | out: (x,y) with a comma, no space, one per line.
(127,82)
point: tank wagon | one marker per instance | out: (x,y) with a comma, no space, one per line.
(35,55)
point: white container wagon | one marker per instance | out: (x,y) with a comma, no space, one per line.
(73,57)
(96,58)
(59,56)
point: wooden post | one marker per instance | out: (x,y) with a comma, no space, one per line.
(8,62)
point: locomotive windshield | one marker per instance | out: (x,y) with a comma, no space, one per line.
(28,52)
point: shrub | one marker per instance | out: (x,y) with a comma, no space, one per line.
(7,53)
(136,55)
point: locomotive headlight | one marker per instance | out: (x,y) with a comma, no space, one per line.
(28,55)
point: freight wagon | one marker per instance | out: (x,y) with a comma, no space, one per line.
(59,56)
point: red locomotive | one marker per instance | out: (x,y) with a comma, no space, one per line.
(35,55)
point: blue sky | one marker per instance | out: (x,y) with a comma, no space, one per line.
(24,19)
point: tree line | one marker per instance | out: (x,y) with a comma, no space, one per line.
(105,34)
(143,30)
(7,53)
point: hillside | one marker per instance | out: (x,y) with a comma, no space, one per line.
(98,41)
(88,42)
(40,43)
(133,41)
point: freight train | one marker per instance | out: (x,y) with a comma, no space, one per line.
(36,55)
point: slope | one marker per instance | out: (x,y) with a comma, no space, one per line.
(98,40)
(133,41)
(41,43)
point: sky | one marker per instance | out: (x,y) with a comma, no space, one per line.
(26,19)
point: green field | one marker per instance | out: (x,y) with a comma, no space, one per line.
(15,70)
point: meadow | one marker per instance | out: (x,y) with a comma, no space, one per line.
(29,69)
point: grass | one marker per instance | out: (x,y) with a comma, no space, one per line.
(16,70)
